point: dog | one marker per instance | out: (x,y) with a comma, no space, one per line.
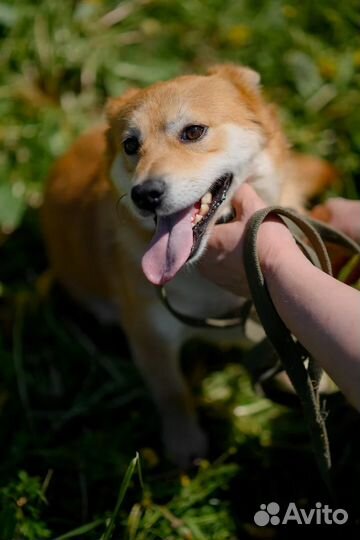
(173,153)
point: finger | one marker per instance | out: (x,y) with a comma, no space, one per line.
(246,201)
(225,233)
(334,202)
(322,213)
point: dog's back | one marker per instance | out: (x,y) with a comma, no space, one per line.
(79,219)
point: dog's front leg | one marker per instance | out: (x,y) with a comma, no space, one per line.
(155,339)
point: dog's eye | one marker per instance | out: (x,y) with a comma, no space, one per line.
(131,145)
(192,133)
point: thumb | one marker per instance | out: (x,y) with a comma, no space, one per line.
(246,201)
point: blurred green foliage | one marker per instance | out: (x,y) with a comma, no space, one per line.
(20,504)
(60,60)
(70,401)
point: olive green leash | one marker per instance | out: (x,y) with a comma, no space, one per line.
(290,351)
(236,317)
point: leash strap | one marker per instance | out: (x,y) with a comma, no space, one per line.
(291,352)
(333,236)
(228,320)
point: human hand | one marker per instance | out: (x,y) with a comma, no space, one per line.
(222,262)
(342,214)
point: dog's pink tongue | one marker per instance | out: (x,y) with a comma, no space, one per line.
(170,247)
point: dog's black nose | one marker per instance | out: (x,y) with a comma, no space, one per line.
(148,195)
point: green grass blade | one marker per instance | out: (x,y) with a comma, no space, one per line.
(79,531)
(195,529)
(123,489)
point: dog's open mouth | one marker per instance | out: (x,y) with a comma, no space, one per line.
(178,236)
(207,207)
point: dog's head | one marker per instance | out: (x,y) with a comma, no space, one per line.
(180,149)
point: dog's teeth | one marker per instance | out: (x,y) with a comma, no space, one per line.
(198,218)
(204,209)
(207,198)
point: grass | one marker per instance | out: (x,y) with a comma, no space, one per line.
(73,408)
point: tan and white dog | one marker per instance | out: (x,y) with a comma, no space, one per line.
(178,150)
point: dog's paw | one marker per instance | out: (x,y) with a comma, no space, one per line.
(184,443)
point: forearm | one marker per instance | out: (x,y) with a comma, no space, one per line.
(321,312)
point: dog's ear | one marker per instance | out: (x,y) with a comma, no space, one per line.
(238,75)
(114,105)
